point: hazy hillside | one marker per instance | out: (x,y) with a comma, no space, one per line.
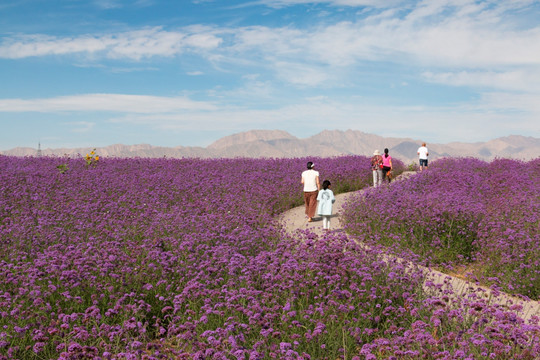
(278,143)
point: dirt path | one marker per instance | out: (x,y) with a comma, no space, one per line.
(295,220)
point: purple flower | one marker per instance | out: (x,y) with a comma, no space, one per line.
(186,258)
(38,347)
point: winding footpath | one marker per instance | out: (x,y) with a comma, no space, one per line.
(294,220)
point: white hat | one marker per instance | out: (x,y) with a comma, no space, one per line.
(376,152)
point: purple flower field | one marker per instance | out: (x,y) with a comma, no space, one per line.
(462,214)
(183,259)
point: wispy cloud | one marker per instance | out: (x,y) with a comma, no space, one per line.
(105,102)
(483,46)
(444,32)
(461,33)
(470,122)
(513,103)
(512,80)
(133,45)
(458,34)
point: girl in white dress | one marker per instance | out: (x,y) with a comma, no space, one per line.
(326,199)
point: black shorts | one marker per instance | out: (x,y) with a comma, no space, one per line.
(423,162)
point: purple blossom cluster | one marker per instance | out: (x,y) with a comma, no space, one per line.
(463,214)
(184,259)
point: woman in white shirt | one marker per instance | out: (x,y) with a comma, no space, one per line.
(310,180)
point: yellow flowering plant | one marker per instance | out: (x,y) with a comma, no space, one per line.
(92,158)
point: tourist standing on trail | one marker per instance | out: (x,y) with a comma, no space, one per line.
(376,167)
(387,166)
(422,156)
(310,179)
(326,198)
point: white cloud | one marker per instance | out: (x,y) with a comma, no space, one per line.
(235,118)
(491,116)
(512,103)
(476,44)
(133,45)
(105,102)
(467,122)
(514,80)
(42,45)
(437,33)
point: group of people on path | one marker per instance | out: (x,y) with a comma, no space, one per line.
(381,165)
(320,201)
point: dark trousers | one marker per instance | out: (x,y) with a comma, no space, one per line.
(385,171)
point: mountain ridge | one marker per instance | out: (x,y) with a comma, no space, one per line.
(279,144)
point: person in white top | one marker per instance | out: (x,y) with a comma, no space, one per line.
(326,198)
(310,180)
(376,167)
(422,156)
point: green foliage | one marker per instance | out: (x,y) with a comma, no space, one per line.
(62,168)
(412,167)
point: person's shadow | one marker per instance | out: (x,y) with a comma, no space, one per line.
(320,217)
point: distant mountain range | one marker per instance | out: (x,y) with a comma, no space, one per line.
(278,143)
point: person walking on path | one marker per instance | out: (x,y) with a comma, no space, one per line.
(387,166)
(310,180)
(422,156)
(326,198)
(376,167)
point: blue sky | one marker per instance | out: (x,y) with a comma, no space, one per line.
(91,73)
